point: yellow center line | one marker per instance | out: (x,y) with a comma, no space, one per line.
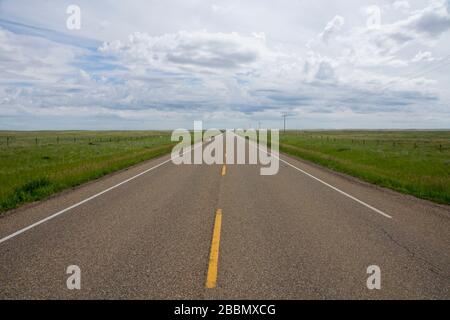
(224,170)
(211,279)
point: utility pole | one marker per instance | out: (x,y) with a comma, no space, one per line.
(284,115)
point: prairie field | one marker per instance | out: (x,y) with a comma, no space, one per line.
(34,165)
(412,162)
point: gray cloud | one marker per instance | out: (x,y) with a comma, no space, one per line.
(428,23)
(200,48)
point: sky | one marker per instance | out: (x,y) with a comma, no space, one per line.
(146,64)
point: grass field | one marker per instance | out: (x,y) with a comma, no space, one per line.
(412,162)
(34,165)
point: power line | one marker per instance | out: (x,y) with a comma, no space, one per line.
(419,73)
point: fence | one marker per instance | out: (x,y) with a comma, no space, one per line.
(439,144)
(27,141)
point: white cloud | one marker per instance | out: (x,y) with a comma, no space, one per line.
(34,59)
(319,68)
(426,24)
(200,49)
(384,46)
(423,56)
(401,5)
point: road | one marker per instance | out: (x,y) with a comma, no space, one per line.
(209,232)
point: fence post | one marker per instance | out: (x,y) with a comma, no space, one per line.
(36,139)
(7,141)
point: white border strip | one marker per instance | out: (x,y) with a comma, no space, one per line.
(336,189)
(92,197)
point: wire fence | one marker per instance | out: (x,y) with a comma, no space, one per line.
(441,145)
(27,141)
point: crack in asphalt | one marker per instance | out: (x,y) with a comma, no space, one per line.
(433,268)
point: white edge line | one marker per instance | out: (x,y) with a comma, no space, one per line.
(336,189)
(325,183)
(93,197)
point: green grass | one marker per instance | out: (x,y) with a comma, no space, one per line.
(35,165)
(412,162)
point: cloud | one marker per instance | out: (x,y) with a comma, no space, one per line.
(421,25)
(34,59)
(423,56)
(431,21)
(319,68)
(192,49)
(386,46)
(401,5)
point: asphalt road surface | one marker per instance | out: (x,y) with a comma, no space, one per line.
(209,232)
